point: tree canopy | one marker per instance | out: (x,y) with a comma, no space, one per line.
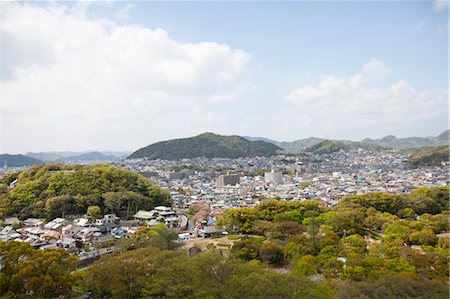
(54,190)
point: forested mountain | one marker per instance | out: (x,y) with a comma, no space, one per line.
(207,145)
(86,157)
(60,156)
(54,190)
(387,142)
(330,146)
(431,156)
(51,156)
(301,144)
(17,160)
(410,142)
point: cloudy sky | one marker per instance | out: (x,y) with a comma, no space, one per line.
(120,75)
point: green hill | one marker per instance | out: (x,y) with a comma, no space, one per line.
(331,146)
(207,145)
(17,160)
(431,156)
(391,141)
(54,190)
(300,145)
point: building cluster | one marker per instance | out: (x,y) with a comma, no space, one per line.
(221,184)
(324,176)
(84,234)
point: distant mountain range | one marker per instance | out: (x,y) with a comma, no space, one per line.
(207,145)
(88,157)
(17,160)
(63,156)
(410,142)
(388,142)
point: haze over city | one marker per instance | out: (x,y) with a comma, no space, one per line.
(122,75)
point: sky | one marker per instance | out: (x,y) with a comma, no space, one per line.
(118,75)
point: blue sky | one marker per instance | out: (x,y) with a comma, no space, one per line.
(121,75)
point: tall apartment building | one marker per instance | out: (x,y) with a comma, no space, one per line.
(228,180)
(273,177)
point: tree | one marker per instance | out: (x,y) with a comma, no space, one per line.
(41,273)
(305,266)
(94,212)
(270,253)
(120,275)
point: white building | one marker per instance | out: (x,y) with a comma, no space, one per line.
(273,177)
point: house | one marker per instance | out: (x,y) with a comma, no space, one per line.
(107,227)
(208,231)
(50,235)
(33,232)
(11,220)
(108,218)
(56,224)
(129,225)
(67,243)
(142,215)
(8,233)
(81,222)
(88,234)
(32,222)
(71,230)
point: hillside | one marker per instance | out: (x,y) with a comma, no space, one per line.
(432,156)
(207,145)
(17,160)
(249,138)
(88,157)
(300,145)
(55,190)
(409,142)
(330,146)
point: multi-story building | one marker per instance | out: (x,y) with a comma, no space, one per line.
(273,177)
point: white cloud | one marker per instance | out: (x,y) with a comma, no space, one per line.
(440,5)
(69,78)
(376,69)
(362,103)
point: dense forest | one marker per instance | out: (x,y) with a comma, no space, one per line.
(207,145)
(368,246)
(54,190)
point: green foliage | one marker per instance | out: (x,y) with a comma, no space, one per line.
(394,287)
(431,156)
(247,249)
(245,220)
(420,200)
(207,145)
(211,276)
(120,275)
(305,266)
(331,146)
(158,236)
(56,190)
(41,273)
(94,212)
